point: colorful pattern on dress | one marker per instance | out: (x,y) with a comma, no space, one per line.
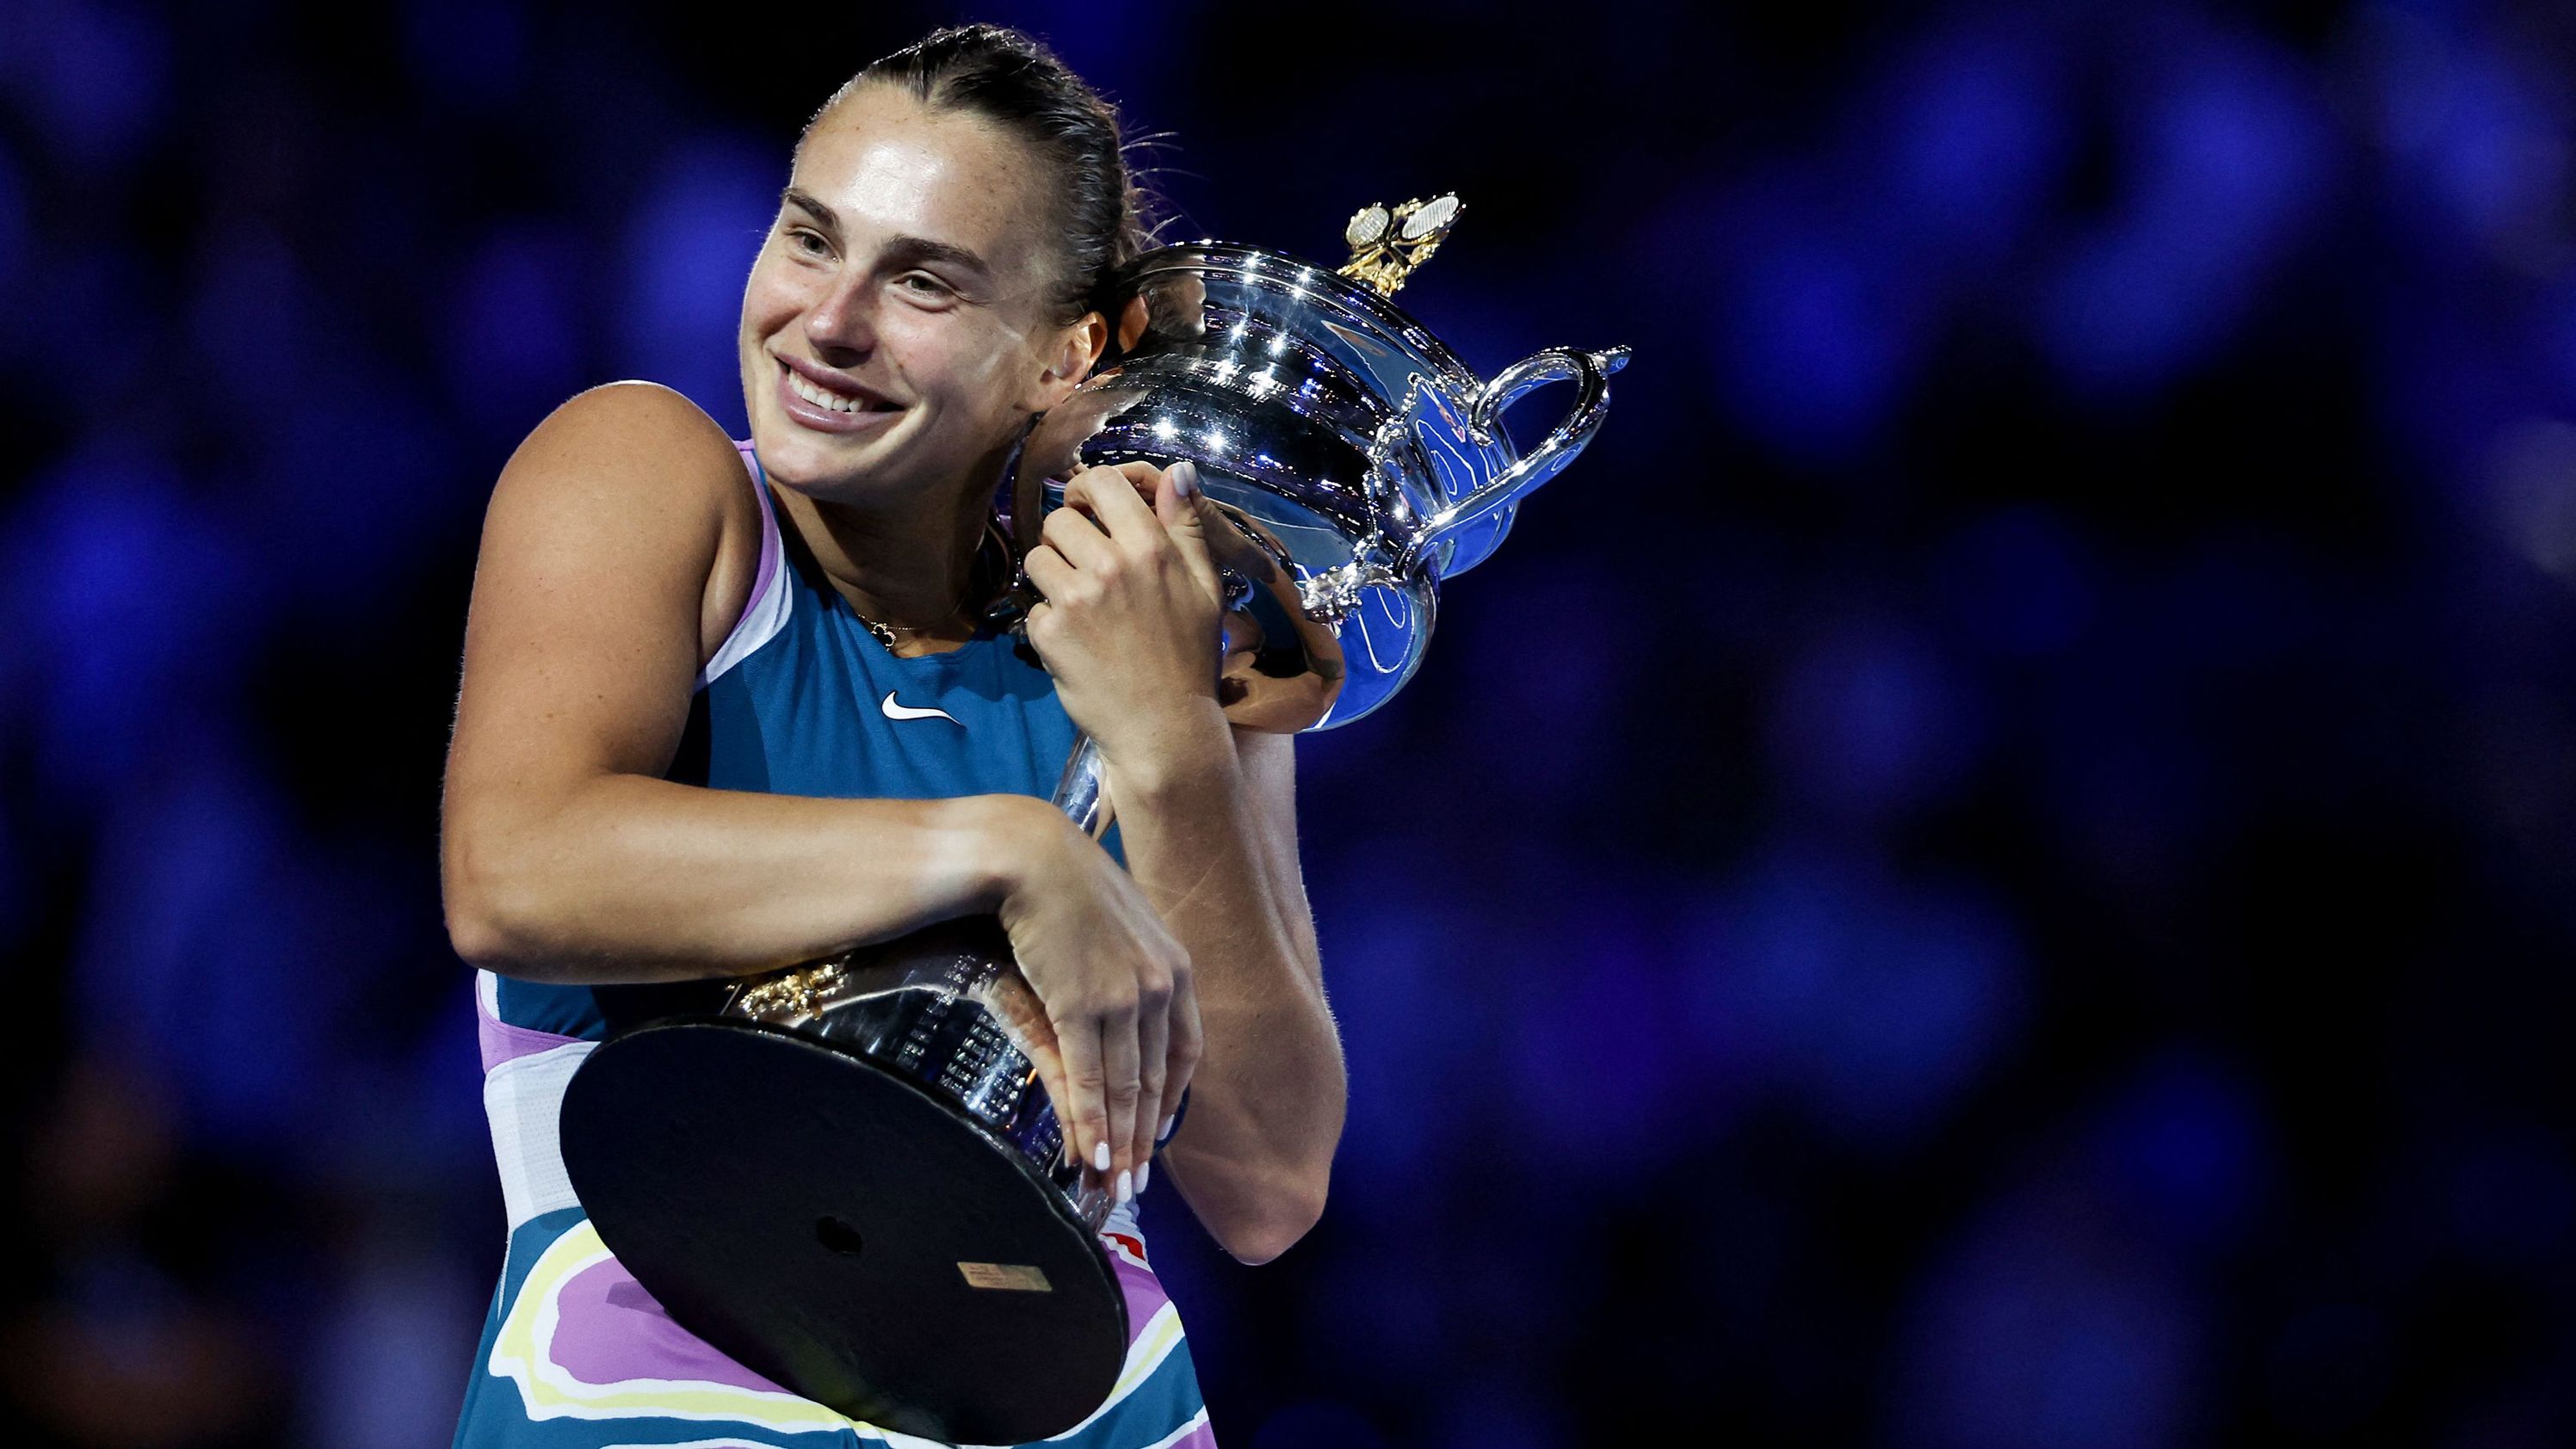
(582,1357)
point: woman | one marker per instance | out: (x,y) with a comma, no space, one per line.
(729,706)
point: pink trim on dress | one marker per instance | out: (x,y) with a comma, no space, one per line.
(502,1042)
(769,544)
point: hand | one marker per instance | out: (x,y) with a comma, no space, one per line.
(1120,1031)
(1129,627)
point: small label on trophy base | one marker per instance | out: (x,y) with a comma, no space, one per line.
(1021,1277)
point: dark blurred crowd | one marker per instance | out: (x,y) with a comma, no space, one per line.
(1995,866)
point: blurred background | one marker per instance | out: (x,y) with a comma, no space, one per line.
(1996,866)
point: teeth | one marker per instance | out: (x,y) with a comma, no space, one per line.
(820,398)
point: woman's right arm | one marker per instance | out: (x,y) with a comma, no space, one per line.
(564,855)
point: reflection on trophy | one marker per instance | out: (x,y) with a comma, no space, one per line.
(916,1253)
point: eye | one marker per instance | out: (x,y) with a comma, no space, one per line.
(923,285)
(801,235)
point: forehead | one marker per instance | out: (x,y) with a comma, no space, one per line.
(891,166)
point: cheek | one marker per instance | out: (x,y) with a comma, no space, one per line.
(967,359)
(771,298)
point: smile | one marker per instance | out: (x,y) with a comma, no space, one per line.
(818,407)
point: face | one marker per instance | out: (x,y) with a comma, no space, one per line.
(897,328)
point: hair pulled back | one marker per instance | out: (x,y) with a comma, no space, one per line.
(1012,79)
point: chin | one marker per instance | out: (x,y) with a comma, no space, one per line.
(844,471)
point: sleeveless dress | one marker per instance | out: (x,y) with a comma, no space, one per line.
(801,699)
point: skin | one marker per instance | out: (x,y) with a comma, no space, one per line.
(619,549)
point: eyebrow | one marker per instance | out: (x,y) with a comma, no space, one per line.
(900,249)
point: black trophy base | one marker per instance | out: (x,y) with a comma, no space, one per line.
(838,1230)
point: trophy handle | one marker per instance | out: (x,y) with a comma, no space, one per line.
(1590,373)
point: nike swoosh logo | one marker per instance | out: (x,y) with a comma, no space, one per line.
(905,711)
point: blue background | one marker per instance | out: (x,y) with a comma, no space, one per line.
(1995,866)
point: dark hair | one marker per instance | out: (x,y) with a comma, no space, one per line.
(1012,79)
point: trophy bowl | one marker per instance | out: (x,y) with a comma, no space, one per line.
(850,1179)
(1349,443)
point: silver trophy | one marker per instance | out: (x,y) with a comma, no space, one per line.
(850,1178)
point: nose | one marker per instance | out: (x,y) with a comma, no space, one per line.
(842,323)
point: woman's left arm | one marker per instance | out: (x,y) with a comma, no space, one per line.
(1210,829)
(1129,629)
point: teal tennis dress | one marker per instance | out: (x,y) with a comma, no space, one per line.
(800,700)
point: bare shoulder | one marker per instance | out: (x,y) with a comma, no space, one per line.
(613,531)
(630,442)
(635,476)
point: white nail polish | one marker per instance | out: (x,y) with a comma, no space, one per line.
(1144,1174)
(1100,1158)
(1166,1133)
(1126,1186)
(1185,478)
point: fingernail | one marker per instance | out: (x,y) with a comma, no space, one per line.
(1165,1134)
(1100,1158)
(1126,1186)
(1185,478)
(1144,1174)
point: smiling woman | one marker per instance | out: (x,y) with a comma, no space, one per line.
(733,704)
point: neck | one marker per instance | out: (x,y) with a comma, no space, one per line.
(906,564)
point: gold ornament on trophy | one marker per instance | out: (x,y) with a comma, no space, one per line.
(1387,243)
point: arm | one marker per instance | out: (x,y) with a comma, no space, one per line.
(564,855)
(1213,841)
(1129,631)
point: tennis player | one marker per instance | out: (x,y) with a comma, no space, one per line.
(730,705)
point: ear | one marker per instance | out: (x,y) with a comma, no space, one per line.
(1072,354)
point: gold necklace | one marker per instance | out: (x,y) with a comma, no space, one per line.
(985,564)
(885,632)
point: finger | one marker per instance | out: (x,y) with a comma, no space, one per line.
(1142,476)
(1183,511)
(1088,487)
(1118,498)
(1015,1004)
(1085,1113)
(1048,570)
(1119,1063)
(1153,1063)
(1050,1069)
(1077,538)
